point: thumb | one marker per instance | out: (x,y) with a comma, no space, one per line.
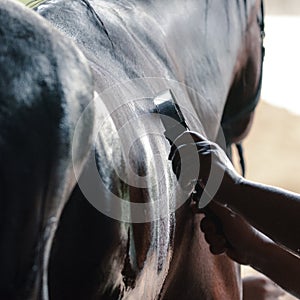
(222,212)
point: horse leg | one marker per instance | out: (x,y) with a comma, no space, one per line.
(41,76)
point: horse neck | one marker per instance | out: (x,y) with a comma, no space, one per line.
(189,32)
(180,42)
(203,52)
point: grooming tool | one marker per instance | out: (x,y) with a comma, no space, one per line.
(170,114)
(174,123)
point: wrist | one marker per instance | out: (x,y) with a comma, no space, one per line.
(230,189)
(259,254)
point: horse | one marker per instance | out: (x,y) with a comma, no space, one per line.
(81,125)
(36,131)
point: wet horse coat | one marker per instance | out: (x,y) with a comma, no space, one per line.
(135,49)
(39,107)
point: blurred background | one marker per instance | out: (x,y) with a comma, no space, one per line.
(272,149)
(273,146)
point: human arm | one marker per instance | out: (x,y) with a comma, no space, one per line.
(274,211)
(229,233)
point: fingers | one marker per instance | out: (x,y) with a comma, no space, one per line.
(195,159)
(192,161)
(216,217)
(208,226)
(216,240)
(242,240)
(224,214)
(188,137)
(218,249)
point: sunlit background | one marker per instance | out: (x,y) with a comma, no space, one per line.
(281,81)
(273,146)
(272,149)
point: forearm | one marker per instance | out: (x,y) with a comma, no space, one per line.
(273,211)
(279,265)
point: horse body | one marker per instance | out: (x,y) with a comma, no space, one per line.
(125,40)
(37,125)
(135,50)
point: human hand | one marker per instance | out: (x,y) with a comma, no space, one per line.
(260,288)
(195,159)
(227,232)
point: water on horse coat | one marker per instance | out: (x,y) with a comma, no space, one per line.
(145,243)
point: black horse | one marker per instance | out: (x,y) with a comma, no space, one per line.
(56,115)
